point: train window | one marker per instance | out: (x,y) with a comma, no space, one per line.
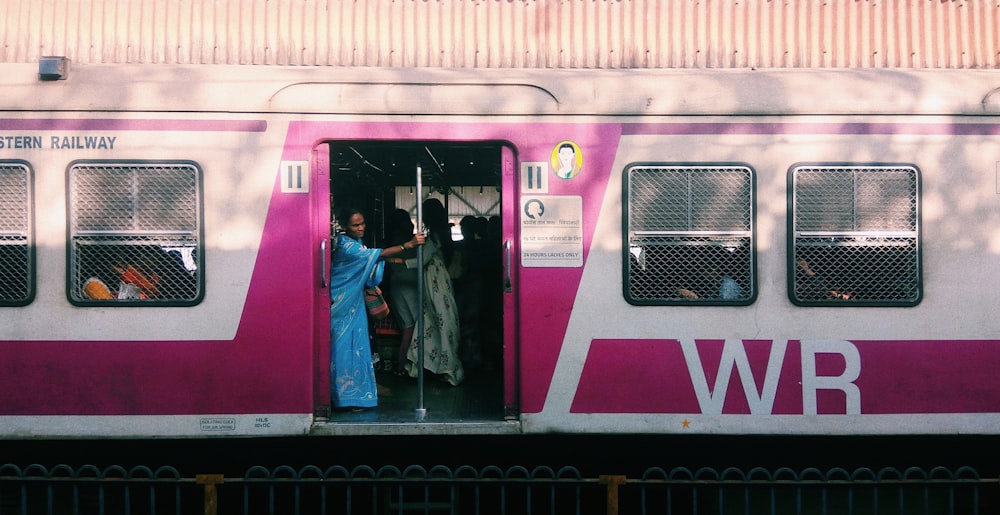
(689,233)
(135,233)
(17,286)
(855,235)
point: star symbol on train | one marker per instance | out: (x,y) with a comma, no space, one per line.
(686,424)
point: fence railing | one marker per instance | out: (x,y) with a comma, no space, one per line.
(283,490)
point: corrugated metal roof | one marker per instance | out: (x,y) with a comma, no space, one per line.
(509,33)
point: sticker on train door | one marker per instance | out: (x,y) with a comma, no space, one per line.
(295,176)
(567,160)
(534,177)
(551,231)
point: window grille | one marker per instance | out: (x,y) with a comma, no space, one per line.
(17,286)
(690,235)
(856,235)
(135,233)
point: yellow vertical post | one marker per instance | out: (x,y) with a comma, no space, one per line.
(211,493)
(612,481)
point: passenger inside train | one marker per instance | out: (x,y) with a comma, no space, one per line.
(461,183)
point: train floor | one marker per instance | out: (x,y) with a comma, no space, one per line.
(479,398)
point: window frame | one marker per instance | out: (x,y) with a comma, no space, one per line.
(198,233)
(28,234)
(793,235)
(750,235)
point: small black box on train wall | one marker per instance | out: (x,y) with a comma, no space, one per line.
(53,68)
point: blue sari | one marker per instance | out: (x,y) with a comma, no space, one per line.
(352,377)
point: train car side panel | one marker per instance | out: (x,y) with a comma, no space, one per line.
(773,367)
(230,364)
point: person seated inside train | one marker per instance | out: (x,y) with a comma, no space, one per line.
(138,272)
(715,285)
(810,285)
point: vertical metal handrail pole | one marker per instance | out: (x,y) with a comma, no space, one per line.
(421,412)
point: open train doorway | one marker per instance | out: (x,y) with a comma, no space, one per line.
(461,318)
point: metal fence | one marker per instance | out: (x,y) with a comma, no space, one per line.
(283,490)
(62,489)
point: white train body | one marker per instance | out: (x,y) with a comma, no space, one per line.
(595,336)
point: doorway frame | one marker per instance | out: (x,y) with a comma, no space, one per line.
(322,241)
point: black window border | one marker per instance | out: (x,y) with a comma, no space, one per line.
(754,287)
(147,303)
(790,236)
(32,270)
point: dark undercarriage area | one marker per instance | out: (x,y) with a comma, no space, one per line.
(486,474)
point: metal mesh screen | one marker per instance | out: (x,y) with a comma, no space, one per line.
(855,236)
(689,233)
(16,286)
(135,233)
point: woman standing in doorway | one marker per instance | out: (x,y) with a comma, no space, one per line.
(440,313)
(354,267)
(402,283)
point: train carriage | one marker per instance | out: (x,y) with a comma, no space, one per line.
(680,252)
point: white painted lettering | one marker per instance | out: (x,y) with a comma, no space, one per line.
(844,382)
(83,142)
(734,355)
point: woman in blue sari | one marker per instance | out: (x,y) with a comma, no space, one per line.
(353,268)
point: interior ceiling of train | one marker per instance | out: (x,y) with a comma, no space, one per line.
(442,164)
